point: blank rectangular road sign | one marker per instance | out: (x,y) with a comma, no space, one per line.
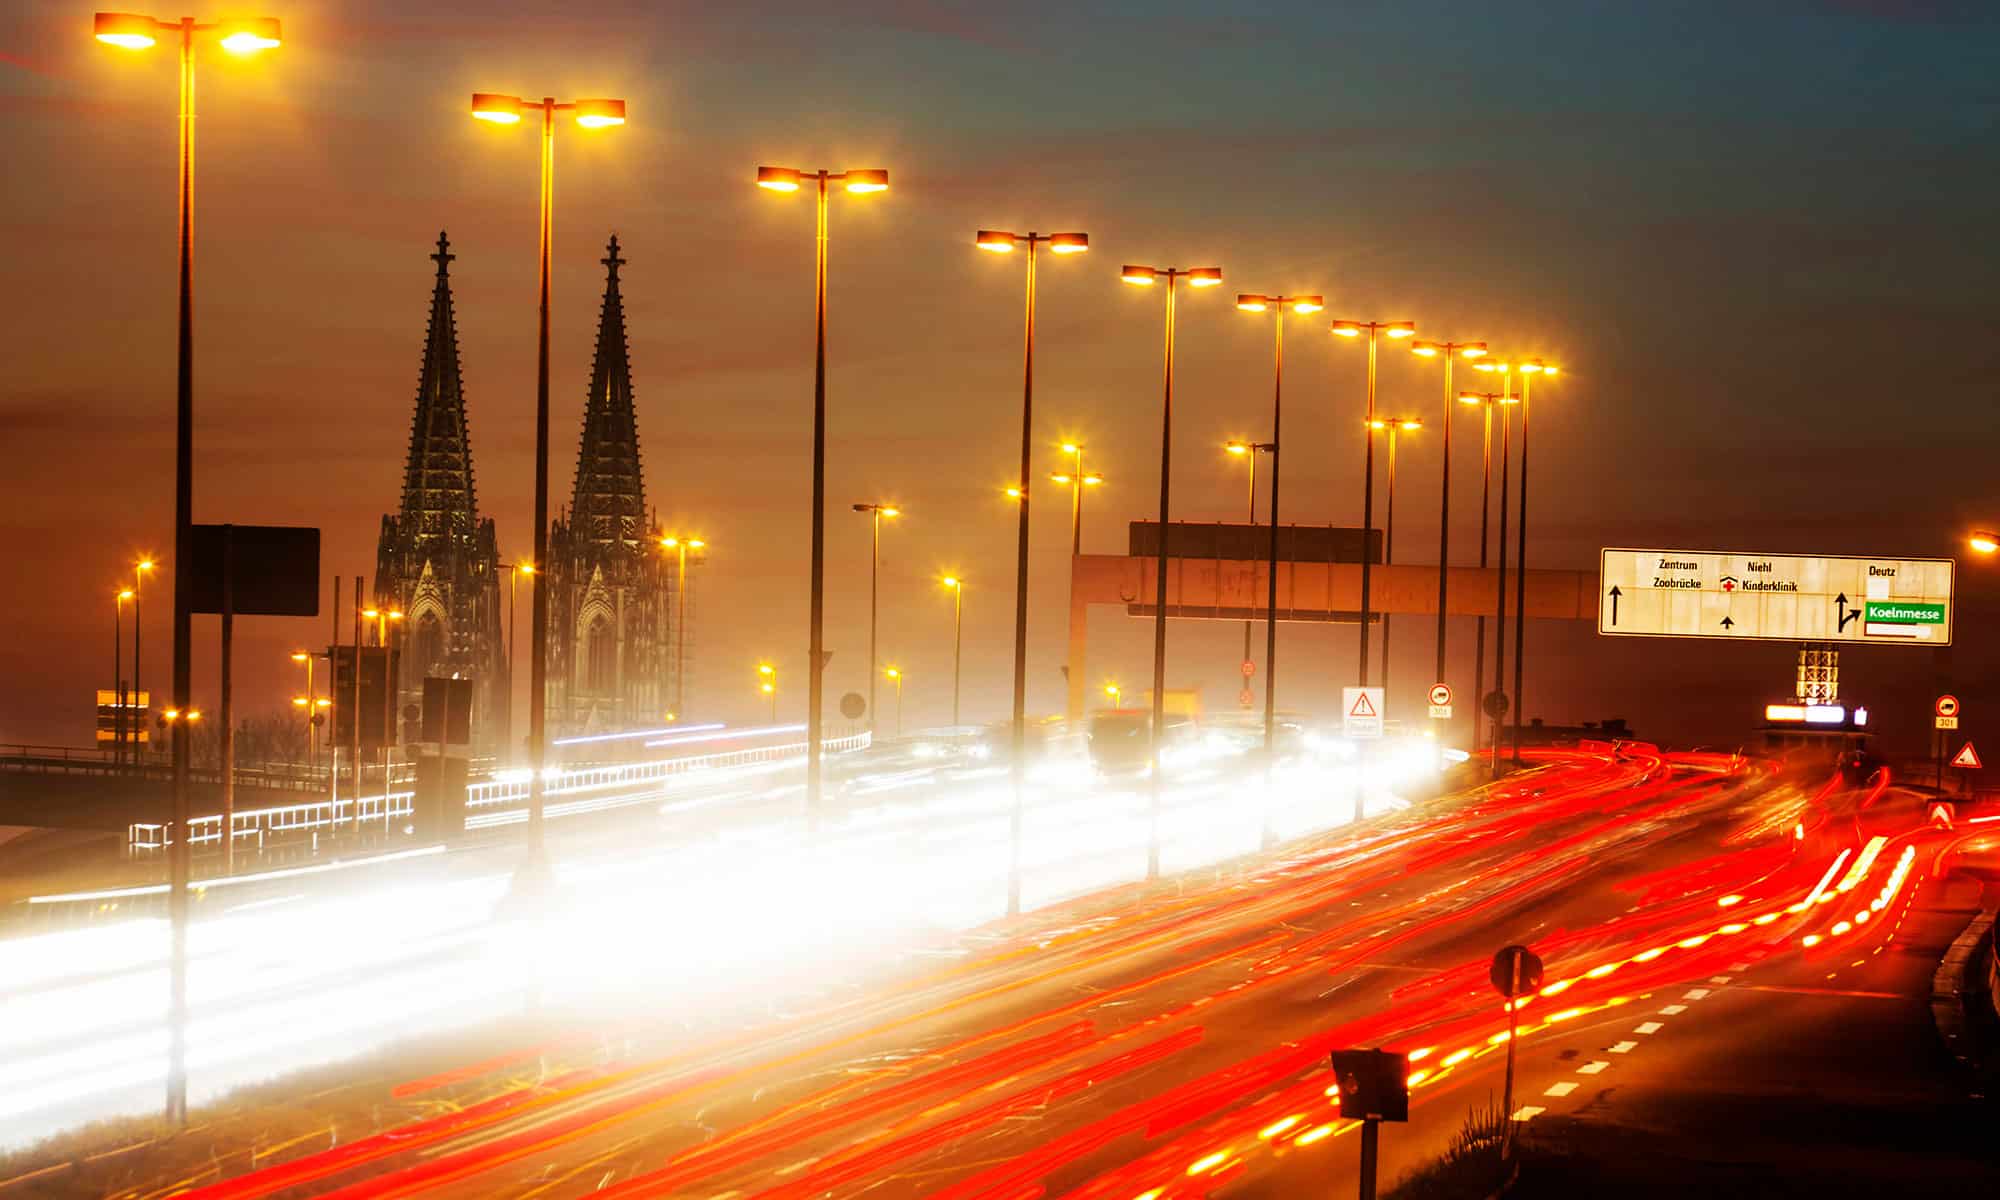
(1775,597)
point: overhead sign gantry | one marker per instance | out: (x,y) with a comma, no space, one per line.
(1775,597)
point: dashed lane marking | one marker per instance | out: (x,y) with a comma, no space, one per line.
(1695,994)
(1674,1010)
(1622,1048)
(1592,1068)
(1649,1027)
(1527,1111)
(1561,1089)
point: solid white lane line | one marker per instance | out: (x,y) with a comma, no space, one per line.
(1528,1110)
(1649,1027)
(1674,1010)
(1592,1068)
(1622,1048)
(1561,1089)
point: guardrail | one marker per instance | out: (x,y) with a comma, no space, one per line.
(488,802)
(76,760)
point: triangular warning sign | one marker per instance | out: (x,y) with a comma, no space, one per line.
(1967,757)
(1361,707)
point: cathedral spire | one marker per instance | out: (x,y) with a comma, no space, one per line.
(608,503)
(438,497)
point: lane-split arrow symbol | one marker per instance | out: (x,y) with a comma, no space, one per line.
(1727,623)
(1615,593)
(1845,613)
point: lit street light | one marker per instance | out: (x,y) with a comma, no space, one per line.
(589,114)
(1447,351)
(767,683)
(1506,372)
(1487,402)
(1076,479)
(131,31)
(876,511)
(1393,426)
(1303,306)
(1002,242)
(118,600)
(1374,330)
(1529,370)
(305,659)
(1985,541)
(1112,691)
(1248,451)
(1143,276)
(957,587)
(514,570)
(681,546)
(858,183)
(896,674)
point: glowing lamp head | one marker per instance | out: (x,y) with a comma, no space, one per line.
(1062,479)
(1092,480)
(496,108)
(862,183)
(1471,398)
(1239,449)
(1205,277)
(1472,350)
(250,35)
(371,613)
(125,593)
(1305,306)
(890,510)
(893,673)
(1346,329)
(1532,367)
(600,114)
(145,564)
(526,568)
(1069,243)
(767,689)
(778,179)
(1426,349)
(1377,423)
(1071,448)
(766,669)
(1400,329)
(670,542)
(995,240)
(1985,541)
(699,544)
(298,702)
(299,656)
(127,31)
(1252,302)
(1409,425)
(1013,493)
(953,582)
(1138,276)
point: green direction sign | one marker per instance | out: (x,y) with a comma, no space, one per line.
(1897,612)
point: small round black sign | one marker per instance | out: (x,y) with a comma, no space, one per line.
(1495,704)
(1516,971)
(852,706)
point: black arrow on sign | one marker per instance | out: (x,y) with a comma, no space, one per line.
(1845,613)
(1615,593)
(1727,623)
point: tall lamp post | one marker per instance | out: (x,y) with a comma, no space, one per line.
(767,683)
(1487,401)
(501,109)
(1506,401)
(1374,330)
(895,675)
(1529,370)
(137,723)
(1447,351)
(118,600)
(305,659)
(1249,451)
(876,511)
(514,571)
(249,35)
(681,546)
(1303,306)
(1143,276)
(857,183)
(957,587)
(999,241)
(1393,426)
(1076,480)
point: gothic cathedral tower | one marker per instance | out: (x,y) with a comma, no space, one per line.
(610,591)
(437,561)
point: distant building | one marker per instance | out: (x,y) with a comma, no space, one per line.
(437,561)
(612,598)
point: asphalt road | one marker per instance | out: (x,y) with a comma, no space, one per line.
(1174,1037)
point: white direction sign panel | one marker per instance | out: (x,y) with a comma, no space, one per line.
(1775,597)
(1361,712)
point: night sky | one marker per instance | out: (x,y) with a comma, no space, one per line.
(1758,237)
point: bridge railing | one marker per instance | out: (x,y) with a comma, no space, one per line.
(256,824)
(90,760)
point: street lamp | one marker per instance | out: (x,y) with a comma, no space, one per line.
(767,683)
(957,587)
(1374,330)
(1985,541)
(1254,302)
(1002,242)
(896,674)
(1446,351)
(514,570)
(1112,692)
(1487,401)
(1506,399)
(382,617)
(131,31)
(1143,276)
(118,600)
(681,546)
(1393,426)
(859,183)
(305,658)
(1076,480)
(876,511)
(498,109)
(139,570)
(1529,370)
(1248,451)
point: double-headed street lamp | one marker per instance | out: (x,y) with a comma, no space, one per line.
(1446,351)
(1254,302)
(1374,331)
(1248,451)
(876,511)
(1000,241)
(247,35)
(1393,426)
(1143,276)
(589,114)
(957,587)
(858,183)
(1487,401)
(767,684)
(681,546)
(1076,479)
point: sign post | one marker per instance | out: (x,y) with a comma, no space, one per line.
(1516,971)
(1374,1087)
